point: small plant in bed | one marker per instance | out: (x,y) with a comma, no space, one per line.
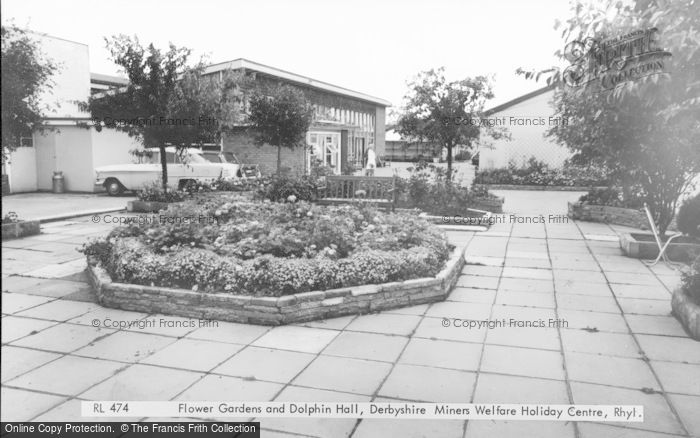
(223,244)
(154,192)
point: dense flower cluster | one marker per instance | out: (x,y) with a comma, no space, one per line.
(154,192)
(612,198)
(691,281)
(689,216)
(537,173)
(266,248)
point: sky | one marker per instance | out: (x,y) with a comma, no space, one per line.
(371,46)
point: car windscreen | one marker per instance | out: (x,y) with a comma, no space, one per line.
(213,158)
(230,158)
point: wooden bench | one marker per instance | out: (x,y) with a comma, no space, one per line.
(339,189)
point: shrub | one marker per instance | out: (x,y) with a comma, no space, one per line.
(10,218)
(219,185)
(611,197)
(691,281)
(463,156)
(428,189)
(688,219)
(153,192)
(281,188)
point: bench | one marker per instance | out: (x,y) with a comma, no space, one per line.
(339,189)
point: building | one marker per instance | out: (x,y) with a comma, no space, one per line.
(345,125)
(527,118)
(398,148)
(67,147)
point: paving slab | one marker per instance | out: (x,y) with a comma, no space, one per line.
(254,363)
(527,362)
(442,354)
(22,405)
(316,427)
(303,339)
(427,384)
(370,346)
(67,375)
(658,416)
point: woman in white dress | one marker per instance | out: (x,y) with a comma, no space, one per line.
(371,162)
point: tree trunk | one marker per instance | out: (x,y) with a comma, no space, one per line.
(279,160)
(164,167)
(449,164)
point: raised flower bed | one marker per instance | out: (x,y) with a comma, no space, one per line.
(686,301)
(644,246)
(684,248)
(14,228)
(272,263)
(629,217)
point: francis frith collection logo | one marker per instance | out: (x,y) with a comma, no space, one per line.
(612,62)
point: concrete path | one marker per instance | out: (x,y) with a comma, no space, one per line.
(613,341)
(49,206)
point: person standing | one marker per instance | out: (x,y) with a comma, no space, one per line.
(371,162)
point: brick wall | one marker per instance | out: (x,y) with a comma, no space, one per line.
(243,145)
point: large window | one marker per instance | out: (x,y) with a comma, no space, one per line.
(324,146)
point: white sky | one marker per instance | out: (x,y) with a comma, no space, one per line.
(371,46)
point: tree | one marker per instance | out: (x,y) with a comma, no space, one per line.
(26,74)
(446,113)
(166,101)
(280,117)
(646,129)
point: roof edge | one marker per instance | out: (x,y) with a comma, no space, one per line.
(517,100)
(293,77)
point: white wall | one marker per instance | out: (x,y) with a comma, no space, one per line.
(526,140)
(71,82)
(112,147)
(22,170)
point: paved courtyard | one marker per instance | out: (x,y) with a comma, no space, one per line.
(620,344)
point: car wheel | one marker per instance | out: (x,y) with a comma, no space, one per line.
(114,187)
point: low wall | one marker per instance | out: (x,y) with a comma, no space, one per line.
(687,312)
(287,309)
(535,188)
(20,229)
(611,215)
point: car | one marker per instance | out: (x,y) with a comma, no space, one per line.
(186,166)
(244,171)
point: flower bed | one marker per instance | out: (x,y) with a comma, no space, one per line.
(644,246)
(224,244)
(429,189)
(537,173)
(629,217)
(686,300)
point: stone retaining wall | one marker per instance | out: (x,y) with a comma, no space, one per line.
(610,215)
(287,309)
(687,312)
(16,230)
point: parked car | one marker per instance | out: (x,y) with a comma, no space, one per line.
(244,170)
(184,167)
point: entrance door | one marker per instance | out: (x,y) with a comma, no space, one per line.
(325,146)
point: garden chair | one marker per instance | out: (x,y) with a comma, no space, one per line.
(662,246)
